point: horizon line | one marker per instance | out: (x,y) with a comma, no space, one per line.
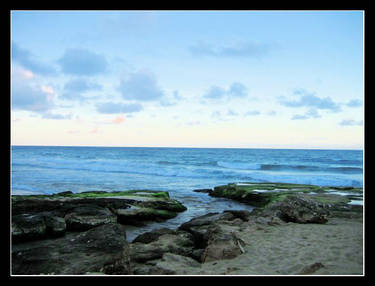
(191,147)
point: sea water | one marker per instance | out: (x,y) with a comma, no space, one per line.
(52,169)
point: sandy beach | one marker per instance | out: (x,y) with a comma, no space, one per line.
(334,248)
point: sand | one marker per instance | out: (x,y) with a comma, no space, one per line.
(334,248)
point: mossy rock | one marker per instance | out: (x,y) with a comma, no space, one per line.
(138,215)
(134,206)
(262,194)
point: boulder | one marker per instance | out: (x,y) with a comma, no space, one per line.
(221,244)
(28,227)
(88,216)
(199,226)
(177,242)
(298,209)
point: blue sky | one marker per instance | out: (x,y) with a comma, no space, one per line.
(247,79)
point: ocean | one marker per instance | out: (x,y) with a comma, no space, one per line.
(52,169)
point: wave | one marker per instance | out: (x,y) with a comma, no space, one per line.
(167,163)
(239,165)
(293,168)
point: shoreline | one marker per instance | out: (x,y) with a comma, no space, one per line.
(274,239)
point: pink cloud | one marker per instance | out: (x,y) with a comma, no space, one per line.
(118,120)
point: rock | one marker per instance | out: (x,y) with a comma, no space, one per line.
(28,227)
(310,269)
(203,191)
(88,216)
(65,193)
(244,215)
(101,249)
(137,216)
(199,226)
(151,236)
(167,205)
(298,209)
(178,242)
(55,226)
(221,245)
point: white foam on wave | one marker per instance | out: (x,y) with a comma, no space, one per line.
(356,202)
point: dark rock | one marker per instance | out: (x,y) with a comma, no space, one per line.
(28,227)
(55,226)
(178,242)
(298,209)
(220,245)
(203,191)
(199,226)
(244,215)
(88,216)
(64,193)
(102,249)
(136,216)
(310,269)
(153,235)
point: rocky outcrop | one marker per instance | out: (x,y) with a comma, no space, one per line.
(298,209)
(101,249)
(206,238)
(262,194)
(36,226)
(85,233)
(35,217)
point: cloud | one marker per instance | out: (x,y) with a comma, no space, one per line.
(355,103)
(215,92)
(252,113)
(236,89)
(177,96)
(311,113)
(230,112)
(74,88)
(82,62)
(310,100)
(140,86)
(171,100)
(31,98)
(112,108)
(350,122)
(271,113)
(244,50)
(118,120)
(21,73)
(49,115)
(26,59)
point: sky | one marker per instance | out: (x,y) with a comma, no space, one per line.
(215,79)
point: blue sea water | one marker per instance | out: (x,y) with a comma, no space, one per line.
(52,169)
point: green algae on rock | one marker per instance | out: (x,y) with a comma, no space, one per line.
(83,211)
(262,194)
